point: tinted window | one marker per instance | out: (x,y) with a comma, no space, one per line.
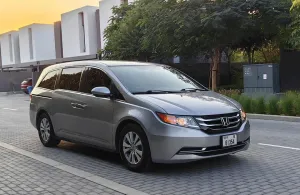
(49,80)
(139,79)
(70,79)
(92,78)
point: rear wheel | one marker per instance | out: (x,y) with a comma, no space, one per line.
(46,132)
(134,148)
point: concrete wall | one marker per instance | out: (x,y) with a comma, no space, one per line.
(75,37)
(58,40)
(11,81)
(98,30)
(42,46)
(0,58)
(105,14)
(10,50)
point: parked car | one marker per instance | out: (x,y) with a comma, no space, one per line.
(146,112)
(26,83)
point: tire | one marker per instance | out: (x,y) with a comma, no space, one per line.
(139,149)
(46,132)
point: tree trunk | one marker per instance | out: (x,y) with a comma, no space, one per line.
(248,50)
(252,56)
(216,61)
(265,56)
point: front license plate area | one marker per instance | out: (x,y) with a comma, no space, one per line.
(229,140)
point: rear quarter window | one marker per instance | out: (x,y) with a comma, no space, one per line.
(48,82)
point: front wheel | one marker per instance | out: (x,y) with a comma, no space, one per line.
(46,131)
(134,148)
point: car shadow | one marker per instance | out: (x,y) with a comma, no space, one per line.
(212,164)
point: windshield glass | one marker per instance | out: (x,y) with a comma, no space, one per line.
(153,79)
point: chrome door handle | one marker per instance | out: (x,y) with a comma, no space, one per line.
(81,106)
(74,105)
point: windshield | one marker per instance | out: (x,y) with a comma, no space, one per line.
(154,79)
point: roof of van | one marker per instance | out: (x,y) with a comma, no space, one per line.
(105,63)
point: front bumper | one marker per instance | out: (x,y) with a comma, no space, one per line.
(174,144)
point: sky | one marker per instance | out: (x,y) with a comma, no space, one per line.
(18,13)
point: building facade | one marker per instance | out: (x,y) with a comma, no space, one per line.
(10,50)
(37,43)
(79,32)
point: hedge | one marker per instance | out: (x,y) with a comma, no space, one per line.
(288,104)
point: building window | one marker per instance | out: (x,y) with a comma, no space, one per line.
(82,32)
(10,47)
(30,43)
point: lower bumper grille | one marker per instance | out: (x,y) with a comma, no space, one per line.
(215,150)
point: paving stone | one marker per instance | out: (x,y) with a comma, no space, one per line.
(58,182)
(261,170)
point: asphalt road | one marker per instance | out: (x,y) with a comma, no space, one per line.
(270,166)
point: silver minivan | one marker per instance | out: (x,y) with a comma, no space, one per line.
(146,112)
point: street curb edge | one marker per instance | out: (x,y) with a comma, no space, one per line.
(274,117)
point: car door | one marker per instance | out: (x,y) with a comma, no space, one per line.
(66,98)
(97,113)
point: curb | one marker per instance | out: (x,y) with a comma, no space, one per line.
(274,117)
(11,93)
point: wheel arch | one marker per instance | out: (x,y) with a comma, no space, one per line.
(39,113)
(122,124)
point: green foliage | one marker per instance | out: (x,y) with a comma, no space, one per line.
(161,29)
(246,102)
(258,105)
(288,104)
(272,106)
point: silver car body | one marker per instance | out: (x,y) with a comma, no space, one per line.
(99,120)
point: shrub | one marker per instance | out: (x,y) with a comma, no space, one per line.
(286,103)
(246,103)
(259,106)
(272,106)
(296,105)
(230,92)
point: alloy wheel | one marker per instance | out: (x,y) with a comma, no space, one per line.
(132,148)
(45,129)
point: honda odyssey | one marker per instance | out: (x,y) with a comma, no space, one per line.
(145,112)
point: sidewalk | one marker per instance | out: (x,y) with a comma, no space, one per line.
(22,175)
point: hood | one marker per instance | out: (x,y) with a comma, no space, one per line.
(196,103)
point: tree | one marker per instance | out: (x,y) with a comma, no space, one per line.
(160,29)
(263,23)
(122,35)
(294,39)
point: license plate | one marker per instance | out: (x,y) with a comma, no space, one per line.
(229,140)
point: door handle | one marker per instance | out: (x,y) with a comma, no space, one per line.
(74,105)
(81,106)
(78,106)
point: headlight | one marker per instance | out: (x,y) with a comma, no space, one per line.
(243,115)
(182,121)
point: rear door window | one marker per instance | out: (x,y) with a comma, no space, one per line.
(92,78)
(70,79)
(49,80)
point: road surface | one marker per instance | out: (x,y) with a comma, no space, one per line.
(270,166)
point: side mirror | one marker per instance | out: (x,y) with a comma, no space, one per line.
(101,92)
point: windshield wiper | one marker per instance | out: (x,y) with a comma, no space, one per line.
(155,92)
(192,89)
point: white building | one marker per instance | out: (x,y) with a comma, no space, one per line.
(10,50)
(105,14)
(79,32)
(37,42)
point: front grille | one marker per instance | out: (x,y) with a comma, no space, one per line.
(212,124)
(215,150)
